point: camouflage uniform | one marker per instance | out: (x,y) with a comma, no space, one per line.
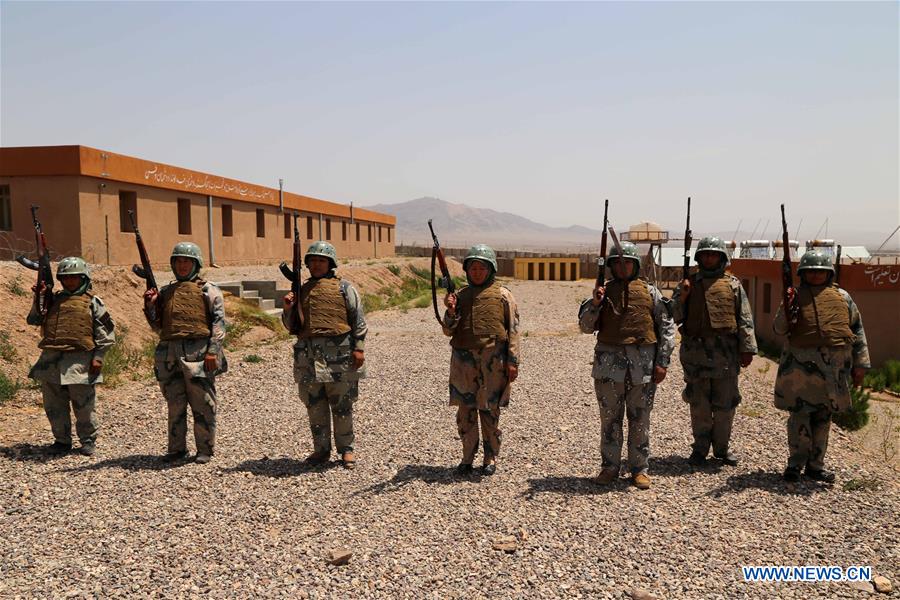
(711,366)
(623,382)
(479,382)
(64,373)
(813,382)
(179,364)
(323,367)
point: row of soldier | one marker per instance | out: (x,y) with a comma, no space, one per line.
(633,321)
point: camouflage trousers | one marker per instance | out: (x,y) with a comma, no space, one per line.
(808,427)
(478,377)
(200,394)
(617,401)
(82,398)
(467,418)
(328,403)
(712,402)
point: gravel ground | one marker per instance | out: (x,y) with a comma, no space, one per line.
(256,522)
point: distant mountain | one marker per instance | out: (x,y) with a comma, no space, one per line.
(462,225)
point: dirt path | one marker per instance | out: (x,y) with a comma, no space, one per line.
(255,522)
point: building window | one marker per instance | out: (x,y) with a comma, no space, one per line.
(261,222)
(287,226)
(343,231)
(379,234)
(5,209)
(127,202)
(184,216)
(309,230)
(327,229)
(389,234)
(767,298)
(552,271)
(369,232)
(227,223)
(357,232)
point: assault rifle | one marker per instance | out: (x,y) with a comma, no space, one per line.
(601,261)
(837,265)
(615,239)
(446,281)
(42,298)
(787,275)
(688,239)
(293,275)
(144,271)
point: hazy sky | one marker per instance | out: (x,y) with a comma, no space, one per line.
(542,109)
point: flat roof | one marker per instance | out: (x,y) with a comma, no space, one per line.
(85,161)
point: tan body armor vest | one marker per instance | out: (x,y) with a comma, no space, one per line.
(823,318)
(324,308)
(482,317)
(69,324)
(711,308)
(184,312)
(621,325)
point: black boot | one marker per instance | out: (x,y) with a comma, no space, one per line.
(464,468)
(820,475)
(791,474)
(729,458)
(697,458)
(173,456)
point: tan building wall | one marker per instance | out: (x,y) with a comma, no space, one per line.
(58,214)
(80,208)
(876,295)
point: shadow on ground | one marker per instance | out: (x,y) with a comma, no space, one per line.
(279,467)
(769,482)
(133,462)
(32,453)
(429,474)
(573,486)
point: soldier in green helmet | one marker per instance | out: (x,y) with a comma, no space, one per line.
(189,315)
(635,339)
(717,341)
(329,355)
(76,332)
(825,349)
(482,321)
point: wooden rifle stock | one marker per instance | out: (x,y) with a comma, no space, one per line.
(446,281)
(145,271)
(44,298)
(787,276)
(293,274)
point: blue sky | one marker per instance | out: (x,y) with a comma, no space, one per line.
(542,109)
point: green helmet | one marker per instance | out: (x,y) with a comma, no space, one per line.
(481,252)
(323,249)
(72,265)
(815,260)
(187,250)
(630,252)
(711,244)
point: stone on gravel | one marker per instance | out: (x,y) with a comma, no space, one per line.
(641,595)
(506,543)
(862,586)
(882,584)
(339,556)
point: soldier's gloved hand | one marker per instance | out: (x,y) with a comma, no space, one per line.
(150,297)
(95,368)
(512,372)
(210,363)
(598,295)
(685,290)
(858,374)
(359,357)
(450,303)
(39,288)
(288,300)
(746,359)
(659,373)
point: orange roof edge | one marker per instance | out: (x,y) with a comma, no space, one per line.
(94,162)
